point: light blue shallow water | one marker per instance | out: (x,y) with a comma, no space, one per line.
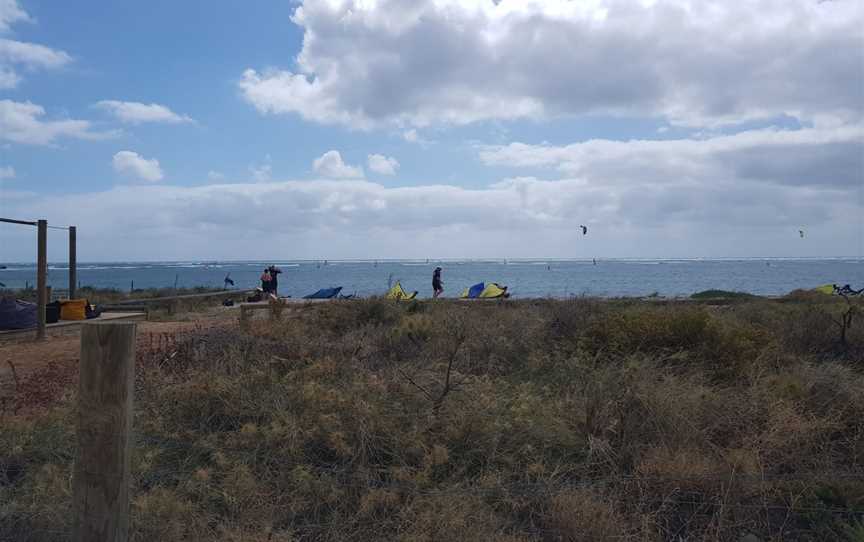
(525,278)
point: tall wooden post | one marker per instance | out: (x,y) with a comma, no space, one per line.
(106,386)
(41,276)
(73,263)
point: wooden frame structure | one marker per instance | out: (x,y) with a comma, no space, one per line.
(42,266)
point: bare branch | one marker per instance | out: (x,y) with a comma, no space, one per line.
(415,384)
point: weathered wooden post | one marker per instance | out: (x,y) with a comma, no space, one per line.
(41,276)
(106,385)
(73,262)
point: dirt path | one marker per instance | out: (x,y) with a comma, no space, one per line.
(35,374)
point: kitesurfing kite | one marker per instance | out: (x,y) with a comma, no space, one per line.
(584,229)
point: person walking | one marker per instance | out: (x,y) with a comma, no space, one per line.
(437,285)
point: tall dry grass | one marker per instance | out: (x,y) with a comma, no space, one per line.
(517,421)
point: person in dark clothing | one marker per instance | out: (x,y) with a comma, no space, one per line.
(266,281)
(274,279)
(228,281)
(437,285)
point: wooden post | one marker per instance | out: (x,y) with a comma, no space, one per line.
(41,276)
(106,386)
(73,262)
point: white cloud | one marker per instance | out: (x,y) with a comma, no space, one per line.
(215,175)
(330,166)
(14,53)
(751,181)
(139,113)
(819,157)
(132,163)
(382,164)
(518,217)
(413,136)
(21,122)
(7,172)
(8,78)
(10,13)
(414,64)
(32,54)
(261,173)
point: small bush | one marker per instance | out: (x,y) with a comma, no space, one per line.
(582,516)
(721,294)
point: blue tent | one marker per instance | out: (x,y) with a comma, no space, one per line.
(324,293)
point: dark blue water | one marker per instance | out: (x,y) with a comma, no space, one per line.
(525,278)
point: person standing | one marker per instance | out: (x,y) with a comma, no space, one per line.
(266,281)
(437,285)
(274,279)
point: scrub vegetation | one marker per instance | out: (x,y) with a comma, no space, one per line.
(577,420)
(113,295)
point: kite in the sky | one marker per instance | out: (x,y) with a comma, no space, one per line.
(584,229)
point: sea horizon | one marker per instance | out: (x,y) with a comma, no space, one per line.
(207,261)
(525,277)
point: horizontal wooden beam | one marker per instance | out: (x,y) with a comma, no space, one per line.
(22,222)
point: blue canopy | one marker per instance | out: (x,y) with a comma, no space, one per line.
(17,314)
(324,293)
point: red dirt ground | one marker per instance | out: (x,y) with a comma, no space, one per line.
(35,375)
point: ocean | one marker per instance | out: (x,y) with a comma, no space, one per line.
(525,278)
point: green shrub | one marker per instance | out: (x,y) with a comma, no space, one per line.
(721,294)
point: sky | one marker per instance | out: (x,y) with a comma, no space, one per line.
(315,129)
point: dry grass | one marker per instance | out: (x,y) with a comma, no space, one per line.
(515,421)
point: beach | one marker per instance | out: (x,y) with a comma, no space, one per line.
(525,278)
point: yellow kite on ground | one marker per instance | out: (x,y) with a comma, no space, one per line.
(825,289)
(492,290)
(397,293)
(485,291)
